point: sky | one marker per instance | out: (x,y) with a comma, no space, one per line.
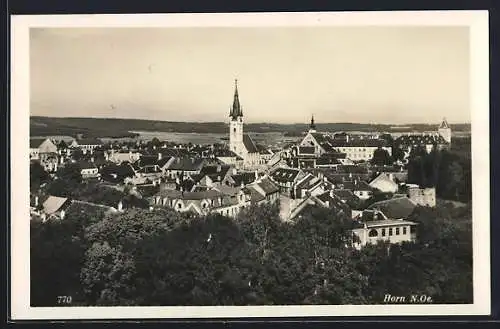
(380,74)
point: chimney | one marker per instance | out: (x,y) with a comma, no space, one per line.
(391,176)
(219,168)
(235,171)
(120,206)
(36,201)
(242,185)
(159,156)
(256,175)
(92,159)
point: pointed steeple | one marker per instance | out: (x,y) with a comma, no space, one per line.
(236,110)
(312,126)
(444,124)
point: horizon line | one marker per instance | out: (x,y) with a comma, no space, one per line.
(256,122)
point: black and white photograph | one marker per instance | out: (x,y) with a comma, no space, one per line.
(250,165)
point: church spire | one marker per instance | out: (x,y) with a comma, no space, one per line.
(236,110)
(312,126)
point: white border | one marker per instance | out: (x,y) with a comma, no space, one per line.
(479,57)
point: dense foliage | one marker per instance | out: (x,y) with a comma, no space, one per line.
(161,257)
(448,170)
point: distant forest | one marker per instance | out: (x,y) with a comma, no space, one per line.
(111,127)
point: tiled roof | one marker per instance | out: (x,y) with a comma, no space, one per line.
(255,195)
(245,177)
(396,208)
(268,186)
(224,153)
(328,143)
(412,140)
(163,161)
(285,174)
(147,160)
(187,164)
(211,170)
(249,144)
(53,204)
(388,222)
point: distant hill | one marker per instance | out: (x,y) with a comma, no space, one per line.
(110,127)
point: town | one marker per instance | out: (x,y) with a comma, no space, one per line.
(338,171)
(369,178)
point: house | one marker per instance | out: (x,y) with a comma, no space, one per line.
(119,157)
(213,175)
(309,184)
(325,200)
(184,166)
(55,207)
(89,170)
(286,178)
(263,191)
(201,203)
(356,149)
(240,179)
(41,146)
(389,230)
(362,190)
(86,144)
(45,152)
(384,183)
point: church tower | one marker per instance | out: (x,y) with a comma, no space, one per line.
(312,126)
(236,124)
(445,131)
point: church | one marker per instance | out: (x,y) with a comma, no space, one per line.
(239,143)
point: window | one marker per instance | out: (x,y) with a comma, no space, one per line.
(404,230)
(397,230)
(179,205)
(373,233)
(383,232)
(234,130)
(390,231)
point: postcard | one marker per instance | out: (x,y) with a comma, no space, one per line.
(246,165)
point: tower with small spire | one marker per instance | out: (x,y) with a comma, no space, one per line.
(312,126)
(236,124)
(445,131)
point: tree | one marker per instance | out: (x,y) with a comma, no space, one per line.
(398,154)
(38,175)
(381,157)
(56,254)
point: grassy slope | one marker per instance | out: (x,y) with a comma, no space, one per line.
(43,126)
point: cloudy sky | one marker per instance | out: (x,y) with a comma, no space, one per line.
(285,74)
